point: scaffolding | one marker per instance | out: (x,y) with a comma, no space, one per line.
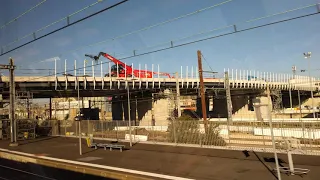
(23,105)
(276,100)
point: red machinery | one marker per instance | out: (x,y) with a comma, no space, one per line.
(120,69)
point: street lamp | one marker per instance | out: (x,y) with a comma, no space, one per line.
(79,118)
(129,107)
(294,68)
(308,56)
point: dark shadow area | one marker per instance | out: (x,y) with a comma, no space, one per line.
(30,141)
(304,96)
(246,153)
(17,170)
(265,165)
(190,113)
(89,151)
(196,153)
(273,160)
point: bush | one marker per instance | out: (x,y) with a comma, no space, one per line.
(186,130)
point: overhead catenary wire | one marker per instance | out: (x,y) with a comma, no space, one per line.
(232,26)
(190,36)
(63,27)
(53,23)
(151,26)
(21,15)
(207,62)
(132,32)
(195,41)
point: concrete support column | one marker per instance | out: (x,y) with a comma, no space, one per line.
(117,113)
(263,100)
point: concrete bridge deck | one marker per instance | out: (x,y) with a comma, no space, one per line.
(71,82)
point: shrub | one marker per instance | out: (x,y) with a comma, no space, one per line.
(186,130)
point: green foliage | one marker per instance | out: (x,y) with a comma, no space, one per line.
(188,132)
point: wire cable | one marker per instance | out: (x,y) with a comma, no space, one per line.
(207,62)
(148,27)
(42,28)
(151,26)
(190,36)
(192,42)
(26,172)
(63,27)
(18,17)
(221,28)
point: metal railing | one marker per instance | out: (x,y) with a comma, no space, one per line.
(249,135)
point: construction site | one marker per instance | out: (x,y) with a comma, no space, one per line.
(90,112)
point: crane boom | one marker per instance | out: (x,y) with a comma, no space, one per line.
(129,71)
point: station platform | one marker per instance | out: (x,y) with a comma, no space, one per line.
(148,161)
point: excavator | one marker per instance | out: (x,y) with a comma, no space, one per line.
(122,70)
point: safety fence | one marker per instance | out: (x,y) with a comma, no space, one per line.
(26,129)
(238,135)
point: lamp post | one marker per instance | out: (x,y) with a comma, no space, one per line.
(129,108)
(294,68)
(308,56)
(129,114)
(79,119)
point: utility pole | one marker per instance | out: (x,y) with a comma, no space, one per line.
(79,117)
(129,114)
(178,94)
(203,100)
(13,123)
(228,94)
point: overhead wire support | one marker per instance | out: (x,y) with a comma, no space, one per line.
(63,27)
(202,93)
(152,26)
(204,39)
(24,13)
(53,23)
(219,28)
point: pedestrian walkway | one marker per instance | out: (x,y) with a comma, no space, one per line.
(147,161)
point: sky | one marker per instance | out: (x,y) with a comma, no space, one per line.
(272,48)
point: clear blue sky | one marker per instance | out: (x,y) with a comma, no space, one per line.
(274,48)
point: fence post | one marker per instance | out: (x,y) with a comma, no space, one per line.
(117,130)
(101,124)
(174,131)
(65,126)
(200,137)
(73,124)
(88,127)
(34,130)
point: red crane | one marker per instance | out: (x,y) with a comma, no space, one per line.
(122,70)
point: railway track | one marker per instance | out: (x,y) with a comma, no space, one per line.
(12,170)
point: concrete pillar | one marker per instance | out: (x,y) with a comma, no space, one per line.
(117,113)
(263,100)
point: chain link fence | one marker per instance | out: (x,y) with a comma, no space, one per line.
(240,135)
